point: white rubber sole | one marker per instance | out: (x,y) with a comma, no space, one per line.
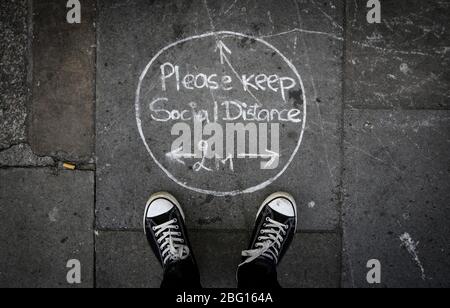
(163,195)
(280,195)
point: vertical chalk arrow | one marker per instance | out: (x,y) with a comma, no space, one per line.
(222,48)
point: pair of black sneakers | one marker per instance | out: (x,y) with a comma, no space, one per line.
(164,224)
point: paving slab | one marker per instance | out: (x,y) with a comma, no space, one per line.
(125,260)
(47,219)
(14,84)
(62,112)
(402,63)
(397,191)
(130,34)
(21,155)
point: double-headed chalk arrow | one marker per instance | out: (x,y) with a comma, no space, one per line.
(177,155)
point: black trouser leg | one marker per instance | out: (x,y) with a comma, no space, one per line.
(259,274)
(181,275)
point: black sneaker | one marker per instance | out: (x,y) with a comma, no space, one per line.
(165,230)
(276,224)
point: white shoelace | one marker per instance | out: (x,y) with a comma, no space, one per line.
(269,242)
(170,242)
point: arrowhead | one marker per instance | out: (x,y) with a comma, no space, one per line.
(274,156)
(175,155)
(222,49)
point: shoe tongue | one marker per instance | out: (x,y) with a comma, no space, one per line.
(278,217)
(263,262)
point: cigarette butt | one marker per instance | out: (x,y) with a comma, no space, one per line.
(69,166)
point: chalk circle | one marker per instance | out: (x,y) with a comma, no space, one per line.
(216,35)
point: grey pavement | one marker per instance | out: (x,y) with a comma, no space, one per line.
(46,221)
(396,176)
(124,261)
(371,176)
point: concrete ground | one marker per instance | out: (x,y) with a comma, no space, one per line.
(371,176)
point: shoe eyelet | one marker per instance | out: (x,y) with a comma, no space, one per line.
(176,227)
(267,219)
(262,231)
(175,220)
(154,229)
